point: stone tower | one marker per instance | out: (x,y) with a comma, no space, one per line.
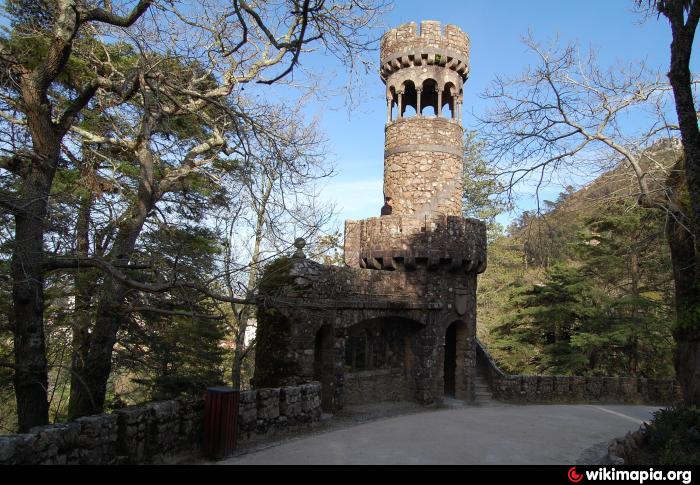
(423,163)
(398,321)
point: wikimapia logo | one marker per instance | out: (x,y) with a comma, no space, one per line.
(640,476)
(573,476)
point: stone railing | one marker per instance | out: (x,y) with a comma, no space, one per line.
(575,389)
(156,432)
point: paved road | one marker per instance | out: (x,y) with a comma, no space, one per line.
(506,434)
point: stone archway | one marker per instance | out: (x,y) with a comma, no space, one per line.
(324,364)
(456,374)
(381,360)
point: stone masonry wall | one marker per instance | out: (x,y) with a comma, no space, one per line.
(575,389)
(155,432)
(390,242)
(375,386)
(405,40)
(428,153)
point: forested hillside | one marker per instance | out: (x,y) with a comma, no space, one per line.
(585,286)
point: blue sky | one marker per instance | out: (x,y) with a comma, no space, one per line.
(496,28)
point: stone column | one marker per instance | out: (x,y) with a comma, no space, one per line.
(438,110)
(400,115)
(389,102)
(459,109)
(418,93)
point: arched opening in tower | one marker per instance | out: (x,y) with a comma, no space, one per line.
(380,360)
(429,98)
(410,97)
(456,373)
(394,108)
(324,363)
(448,100)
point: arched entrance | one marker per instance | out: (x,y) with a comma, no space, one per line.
(456,373)
(324,365)
(380,360)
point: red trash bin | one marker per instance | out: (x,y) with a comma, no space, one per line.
(220,421)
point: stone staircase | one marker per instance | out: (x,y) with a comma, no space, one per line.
(482,392)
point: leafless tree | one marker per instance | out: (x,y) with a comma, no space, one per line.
(174,66)
(683,17)
(567,118)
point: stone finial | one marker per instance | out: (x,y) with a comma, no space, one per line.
(300,244)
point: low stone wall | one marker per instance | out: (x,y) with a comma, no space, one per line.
(575,389)
(620,449)
(375,385)
(155,432)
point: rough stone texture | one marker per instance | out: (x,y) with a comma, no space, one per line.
(620,449)
(404,46)
(376,385)
(428,152)
(154,432)
(574,389)
(377,329)
(396,242)
(247,413)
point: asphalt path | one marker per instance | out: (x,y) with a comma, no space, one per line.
(504,434)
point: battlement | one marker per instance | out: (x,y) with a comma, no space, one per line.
(451,243)
(405,46)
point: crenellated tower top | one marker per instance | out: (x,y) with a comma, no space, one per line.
(424,73)
(404,46)
(421,224)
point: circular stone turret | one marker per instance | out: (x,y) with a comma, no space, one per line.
(423,163)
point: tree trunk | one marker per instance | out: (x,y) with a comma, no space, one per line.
(89,398)
(686,334)
(633,343)
(683,250)
(684,258)
(679,77)
(240,350)
(31,372)
(84,281)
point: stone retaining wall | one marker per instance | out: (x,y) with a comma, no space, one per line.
(155,432)
(575,389)
(375,386)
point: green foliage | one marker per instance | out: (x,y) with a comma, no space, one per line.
(584,288)
(272,365)
(31,15)
(546,316)
(671,438)
(8,414)
(185,356)
(173,355)
(481,187)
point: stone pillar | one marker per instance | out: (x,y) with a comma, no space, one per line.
(438,110)
(389,102)
(459,110)
(418,105)
(400,115)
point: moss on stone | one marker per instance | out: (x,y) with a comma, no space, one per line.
(272,363)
